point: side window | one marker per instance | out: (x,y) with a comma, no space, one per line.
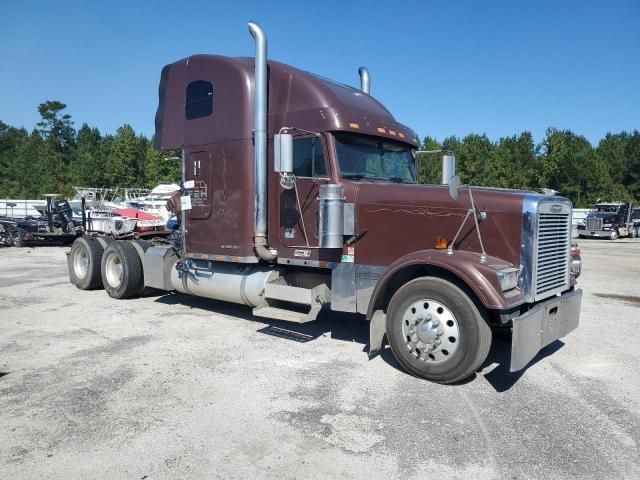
(199,101)
(308,157)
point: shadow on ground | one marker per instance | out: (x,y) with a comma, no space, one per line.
(500,378)
(354,328)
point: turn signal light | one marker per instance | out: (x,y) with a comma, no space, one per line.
(441,243)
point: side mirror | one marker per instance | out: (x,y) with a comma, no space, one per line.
(283,153)
(454,187)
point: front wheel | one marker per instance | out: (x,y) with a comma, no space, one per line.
(435,330)
(614,235)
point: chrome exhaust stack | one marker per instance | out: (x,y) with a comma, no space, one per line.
(260,143)
(364,79)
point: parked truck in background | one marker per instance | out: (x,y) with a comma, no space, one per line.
(301,193)
(610,220)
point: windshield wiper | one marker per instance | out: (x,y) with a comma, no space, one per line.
(398,180)
(358,176)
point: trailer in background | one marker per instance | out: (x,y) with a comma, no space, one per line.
(54,225)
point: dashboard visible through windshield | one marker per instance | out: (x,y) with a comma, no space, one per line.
(363,156)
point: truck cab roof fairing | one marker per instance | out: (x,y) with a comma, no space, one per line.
(296,98)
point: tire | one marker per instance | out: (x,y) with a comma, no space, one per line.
(85,263)
(121,270)
(461,329)
(17,240)
(581,236)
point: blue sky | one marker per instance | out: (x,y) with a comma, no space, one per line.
(443,68)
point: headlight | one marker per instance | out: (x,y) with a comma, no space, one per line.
(508,278)
(607,225)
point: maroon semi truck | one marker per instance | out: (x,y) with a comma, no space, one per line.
(300,193)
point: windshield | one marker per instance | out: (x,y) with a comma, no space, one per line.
(607,208)
(362,156)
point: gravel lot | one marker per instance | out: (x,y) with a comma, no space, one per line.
(180,387)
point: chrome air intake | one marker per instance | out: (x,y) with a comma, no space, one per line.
(545,255)
(331,225)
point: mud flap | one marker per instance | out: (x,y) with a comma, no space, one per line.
(542,325)
(377,331)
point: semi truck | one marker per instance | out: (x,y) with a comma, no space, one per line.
(610,220)
(300,194)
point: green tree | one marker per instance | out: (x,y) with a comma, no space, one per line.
(611,151)
(56,126)
(32,171)
(429,164)
(512,163)
(11,139)
(632,163)
(567,163)
(88,162)
(161,167)
(123,158)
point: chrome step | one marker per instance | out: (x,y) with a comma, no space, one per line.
(314,297)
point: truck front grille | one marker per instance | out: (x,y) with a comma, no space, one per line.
(594,223)
(554,242)
(545,247)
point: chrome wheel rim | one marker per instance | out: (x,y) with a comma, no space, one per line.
(81,263)
(430,331)
(113,270)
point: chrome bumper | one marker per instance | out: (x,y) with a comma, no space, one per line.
(595,233)
(543,324)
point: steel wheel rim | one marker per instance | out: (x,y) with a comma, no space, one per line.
(113,270)
(430,331)
(81,263)
(16,239)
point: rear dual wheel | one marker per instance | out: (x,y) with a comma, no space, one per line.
(17,240)
(122,275)
(85,261)
(436,331)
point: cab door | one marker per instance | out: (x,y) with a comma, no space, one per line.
(198,167)
(299,214)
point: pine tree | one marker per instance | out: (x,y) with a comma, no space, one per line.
(123,158)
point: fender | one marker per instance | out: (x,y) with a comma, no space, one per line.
(481,278)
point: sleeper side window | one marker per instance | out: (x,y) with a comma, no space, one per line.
(199,99)
(308,157)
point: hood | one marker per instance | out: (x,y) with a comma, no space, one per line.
(410,217)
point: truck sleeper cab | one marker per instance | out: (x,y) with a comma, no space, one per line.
(300,192)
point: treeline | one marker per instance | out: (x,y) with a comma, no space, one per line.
(54,157)
(563,161)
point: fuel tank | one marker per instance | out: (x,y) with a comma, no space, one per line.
(228,282)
